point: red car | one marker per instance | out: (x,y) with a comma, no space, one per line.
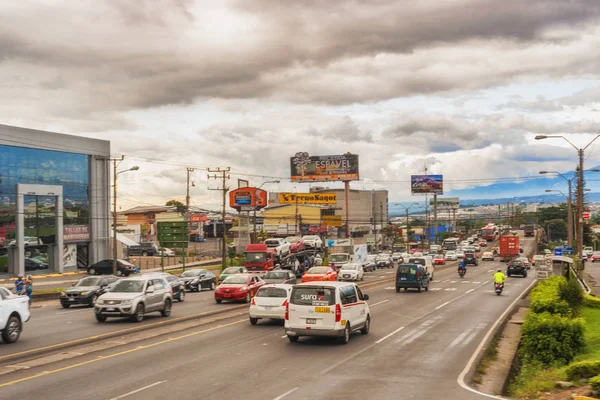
(439,260)
(596,256)
(483,243)
(296,243)
(238,287)
(320,274)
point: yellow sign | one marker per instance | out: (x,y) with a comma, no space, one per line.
(307,198)
(333,220)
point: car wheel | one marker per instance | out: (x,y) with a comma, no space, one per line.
(65,305)
(293,339)
(219,301)
(346,338)
(212,286)
(119,273)
(525,275)
(406,289)
(93,300)
(100,318)
(253,321)
(397,290)
(247,300)
(167,309)
(144,253)
(12,331)
(427,288)
(139,313)
(365,330)
(92,271)
(181,295)
(419,288)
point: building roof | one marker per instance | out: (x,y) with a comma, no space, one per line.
(147,209)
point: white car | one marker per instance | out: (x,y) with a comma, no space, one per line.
(14,312)
(488,255)
(320,309)
(351,272)
(279,246)
(29,241)
(166,252)
(476,247)
(460,254)
(539,260)
(270,302)
(588,251)
(450,256)
(312,241)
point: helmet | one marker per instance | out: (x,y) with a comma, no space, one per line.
(20,276)
(29,277)
(499,270)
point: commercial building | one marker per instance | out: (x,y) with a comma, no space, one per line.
(54,200)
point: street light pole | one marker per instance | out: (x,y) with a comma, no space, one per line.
(580,153)
(115,174)
(254,230)
(569,206)
(406,209)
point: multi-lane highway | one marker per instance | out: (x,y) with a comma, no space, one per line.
(418,345)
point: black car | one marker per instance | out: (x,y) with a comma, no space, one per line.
(144,249)
(86,290)
(470,259)
(280,276)
(177,286)
(384,261)
(33,264)
(198,279)
(516,267)
(105,267)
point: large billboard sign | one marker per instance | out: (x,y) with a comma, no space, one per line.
(324,168)
(247,198)
(446,202)
(307,198)
(427,184)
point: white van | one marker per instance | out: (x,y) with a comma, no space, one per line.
(327,309)
(425,261)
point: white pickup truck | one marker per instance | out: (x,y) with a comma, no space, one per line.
(14,312)
(279,246)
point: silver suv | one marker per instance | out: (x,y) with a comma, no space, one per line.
(134,298)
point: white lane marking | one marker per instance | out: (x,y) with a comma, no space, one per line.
(460,338)
(381,302)
(411,337)
(442,305)
(286,394)
(139,390)
(470,338)
(435,288)
(469,291)
(461,378)
(465,282)
(450,289)
(490,270)
(446,280)
(72,311)
(476,282)
(389,335)
(486,282)
(452,281)
(390,288)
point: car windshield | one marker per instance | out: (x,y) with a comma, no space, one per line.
(338,258)
(292,239)
(313,296)
(231,270)
(192,272)
(350,267)
(271,292)
(128,286)
(235,279)
(255,257)
(317,270)
(276,275)
(272,243)
(89,281)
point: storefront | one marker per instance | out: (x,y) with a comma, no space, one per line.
(54,200)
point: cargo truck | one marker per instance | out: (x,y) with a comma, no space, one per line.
(258,258)
(529,230)
(509,247)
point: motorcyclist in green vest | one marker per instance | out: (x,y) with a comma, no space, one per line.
(499,277)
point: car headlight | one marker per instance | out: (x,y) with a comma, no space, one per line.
(126,302)
(83,293)
(62,294)
(243,288)
(99,302)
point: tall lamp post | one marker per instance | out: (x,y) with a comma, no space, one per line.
(569,206)
(580,152)
(115,174)
(261,185)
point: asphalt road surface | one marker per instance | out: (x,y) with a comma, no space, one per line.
(418,345)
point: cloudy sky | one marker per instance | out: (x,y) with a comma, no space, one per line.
(462,86)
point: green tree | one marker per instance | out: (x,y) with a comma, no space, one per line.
(557,229)
(174,203)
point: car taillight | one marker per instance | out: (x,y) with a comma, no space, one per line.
(285,303)
(338,313)
(253,302)
(287,311)
(418,275)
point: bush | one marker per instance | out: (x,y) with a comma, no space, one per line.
(591,301)
(551,339)
(572,293)
(546,297)
(595,383)
(583,369)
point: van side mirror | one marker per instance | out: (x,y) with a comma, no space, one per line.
(366,296)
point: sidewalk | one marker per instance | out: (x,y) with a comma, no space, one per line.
(593,276)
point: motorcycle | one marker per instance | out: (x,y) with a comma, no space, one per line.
(462,272)
(499,288)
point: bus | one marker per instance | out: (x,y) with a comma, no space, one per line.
(489,232)
(450,244)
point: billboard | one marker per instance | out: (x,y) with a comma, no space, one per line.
(324,168)
(332,220)
(427,184)
(307,198)
(446,202)
(247,198)
(76,233)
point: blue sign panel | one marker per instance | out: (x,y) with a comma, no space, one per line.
(558,251)
(568,250)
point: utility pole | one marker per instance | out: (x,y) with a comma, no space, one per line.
(381,222)
(187,186)
(296,232)
(580,209)
(114,261)
(435,221)
(223,175)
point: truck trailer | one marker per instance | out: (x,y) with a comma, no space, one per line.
(509,247)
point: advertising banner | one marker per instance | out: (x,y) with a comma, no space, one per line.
(247,197)
(332,220)
(70,255)
(324,168)
(307,198)
(360,253)
(76,233)
(447,202)
(427,184)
